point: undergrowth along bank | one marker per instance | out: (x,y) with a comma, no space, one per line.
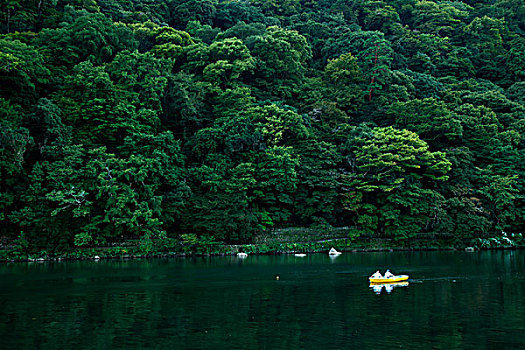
(191,245)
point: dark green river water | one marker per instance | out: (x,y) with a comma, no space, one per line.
(453,300)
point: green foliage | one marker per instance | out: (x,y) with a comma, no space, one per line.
(229,59)
(439,18)
(82,239)
(502,241)
(184,11)
(220,120)
(23,72)
(344,77)
(162,41)
(281,57)
(390,190)
(430,119)
(14,143)
(90,37)
(143,76)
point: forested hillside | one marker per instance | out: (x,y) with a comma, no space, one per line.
(152,118)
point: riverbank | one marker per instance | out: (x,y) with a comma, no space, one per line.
(285,241)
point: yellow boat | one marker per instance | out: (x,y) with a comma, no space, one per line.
(397,278)
(393,284)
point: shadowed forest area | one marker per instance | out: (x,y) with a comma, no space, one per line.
(221,120)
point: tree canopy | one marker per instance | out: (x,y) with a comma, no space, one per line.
(151,119)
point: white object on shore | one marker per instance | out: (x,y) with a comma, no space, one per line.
(242,255)
(334,252)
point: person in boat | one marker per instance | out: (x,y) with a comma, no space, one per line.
(377,274)
(388,274)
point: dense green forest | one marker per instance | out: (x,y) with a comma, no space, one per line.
(147,119)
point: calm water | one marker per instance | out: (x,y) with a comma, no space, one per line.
(454,300)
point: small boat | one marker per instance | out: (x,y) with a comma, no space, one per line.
(393,284)
(242,255)
(334,252)
(300,255)
(397,278)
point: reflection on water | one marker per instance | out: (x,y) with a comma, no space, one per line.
(455,300)
(388,287)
